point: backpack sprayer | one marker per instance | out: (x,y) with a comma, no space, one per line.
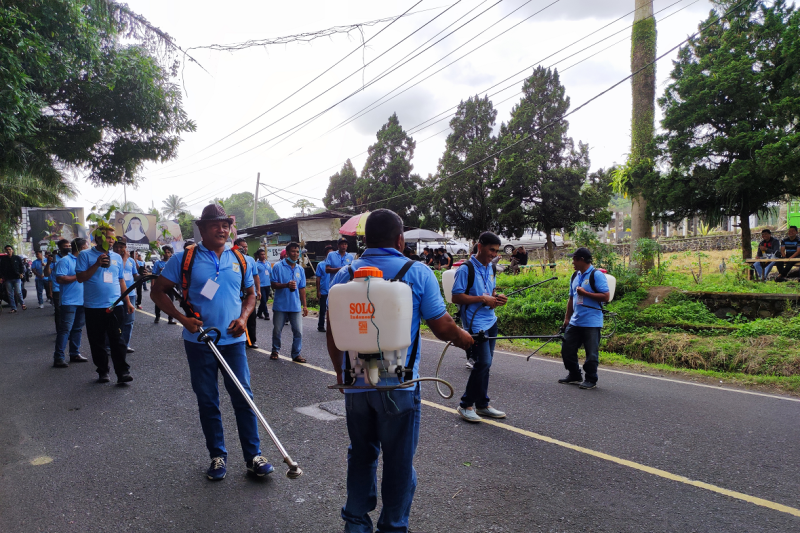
(294,471)
(372,324)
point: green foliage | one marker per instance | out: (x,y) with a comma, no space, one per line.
(462,202)
(102,222)
(677,309)
(185,222)
(341,188)
(240,205)
(303,205)
(173,206)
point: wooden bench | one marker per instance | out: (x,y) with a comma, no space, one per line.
(766,260)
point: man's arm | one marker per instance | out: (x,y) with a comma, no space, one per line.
(256,283)
(332,270)
(89,272)
(158,294)
(128,305)
(466,299)
(303,301)
(568,315)
(445,329)
(598,296)
(239,326)
(336,355)
(316,280)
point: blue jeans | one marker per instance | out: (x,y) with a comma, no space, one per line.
(574,337)
(376,421)
(477,391)
(323,307)
(14,291)
(127,326)
(262,307)
(203,367)
(296,321)
(70,328)
(763,271)
(40,290)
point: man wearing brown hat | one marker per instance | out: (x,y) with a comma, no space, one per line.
(216,278)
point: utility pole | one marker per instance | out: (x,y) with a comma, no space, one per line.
(255,198)
(125,194)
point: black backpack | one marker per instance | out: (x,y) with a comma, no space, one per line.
(470,283)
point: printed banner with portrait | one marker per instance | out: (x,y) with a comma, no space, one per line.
(46,226)
(139,229)
(172,236)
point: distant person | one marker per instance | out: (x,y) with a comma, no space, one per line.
(130,274)
(335,261)
(140,269)
(158,268)
(289,284)
(321,279)
(264,270)
(49,269)
(241,245)
(583,320)
(518,258)
(768,248)
(102,276)
(790,248)
(445,259)
(72,316)
(37,267)
(12,271)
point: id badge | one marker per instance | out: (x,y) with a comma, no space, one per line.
(210,289)
(128,276)
(580,299)
(107,277)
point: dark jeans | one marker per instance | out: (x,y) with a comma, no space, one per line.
(784,268)
(251,328)
(262,307)
(14,292)
(376,421)
(323,308)
(127,327)
(158,311)
(39,290)
(477,391)
(69,330)
(203,368)
(57,306)
(139,294)
(102,327)
(574,338)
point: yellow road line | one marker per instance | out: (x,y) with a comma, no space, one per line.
(587,451)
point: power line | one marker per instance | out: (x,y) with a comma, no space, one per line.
(556,121)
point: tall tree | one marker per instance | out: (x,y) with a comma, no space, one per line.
(240,205)
(731,115)
(541,180)
(386,180)
(304,205)
(462,202)
(173,206)
(341,189)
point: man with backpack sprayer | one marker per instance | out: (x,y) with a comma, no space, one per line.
(474,289)
(584,319)
(212,279)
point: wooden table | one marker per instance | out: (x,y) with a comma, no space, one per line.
(766,260)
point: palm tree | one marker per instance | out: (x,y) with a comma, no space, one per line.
(173,206)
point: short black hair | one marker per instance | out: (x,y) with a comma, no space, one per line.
(793,227)
(62,241)
(766,230)
(328,247)
(77,244)
(382,228)
(240,240)
(8,246)
(167,247)
(258,251)
(292,245)
(340,241)
(488,238)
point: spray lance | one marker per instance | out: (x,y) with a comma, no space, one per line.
(371,322)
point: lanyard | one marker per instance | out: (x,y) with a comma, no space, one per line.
(485,276)
(342,258)
(216,263)
(291,276)
(582,274)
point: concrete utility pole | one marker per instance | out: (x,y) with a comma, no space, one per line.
(255,198)
(643,84)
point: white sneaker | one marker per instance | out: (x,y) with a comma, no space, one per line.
(41,306)
(491,412)
(470,363)
(468,414)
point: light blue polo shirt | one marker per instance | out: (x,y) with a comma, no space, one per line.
(38,267)
(428,303)
(323,279)
(71,293)
(55,287)
(98,294)
(226,306)
(158,266)
(588,315)
(477,316)
(285,300)
(251,267)
(264,270)
(128,270)
(335,260)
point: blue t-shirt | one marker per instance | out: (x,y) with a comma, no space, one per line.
(285,300)
(97,293)
(587,315)
(38,267)
(251,267)
(477,316)
(55,287)
(428,303)
(226,305)
(264,271)
(158,267)
(128,270)
(71,293)
(335,260)
(323,279)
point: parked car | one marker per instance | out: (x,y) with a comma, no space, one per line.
(451,245)
(530,241)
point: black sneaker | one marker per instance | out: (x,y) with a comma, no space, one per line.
(60,363)
(217,469)
(103,377)
(259,466)
(156,320)
(321,330)
(266,318)
(124,378)
(587,385)
(253,346)
(571,380)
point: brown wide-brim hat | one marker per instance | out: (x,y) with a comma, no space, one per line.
(213,212)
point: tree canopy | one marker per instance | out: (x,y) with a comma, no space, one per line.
(341,188)
(731,145)
(240,205)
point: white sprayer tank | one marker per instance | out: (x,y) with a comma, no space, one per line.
(448,280)
(369,312)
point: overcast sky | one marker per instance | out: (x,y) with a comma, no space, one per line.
(241,85)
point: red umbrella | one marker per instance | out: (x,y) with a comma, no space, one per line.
(354,225)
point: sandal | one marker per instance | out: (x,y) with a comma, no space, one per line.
(274,356)
(24,307)
(299,359)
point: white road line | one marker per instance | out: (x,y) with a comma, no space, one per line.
(680,382)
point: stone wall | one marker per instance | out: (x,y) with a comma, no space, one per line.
(750,305)
(708,243)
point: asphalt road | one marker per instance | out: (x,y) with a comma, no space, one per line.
(637,454)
